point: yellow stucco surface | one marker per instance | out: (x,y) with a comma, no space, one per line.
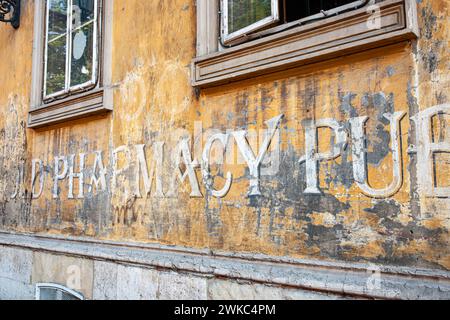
(153,45)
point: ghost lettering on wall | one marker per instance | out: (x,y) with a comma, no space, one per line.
(181,156)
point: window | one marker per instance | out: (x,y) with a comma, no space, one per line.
(71,46)
(50,291)
(243,17)
(239,39)
(71,60)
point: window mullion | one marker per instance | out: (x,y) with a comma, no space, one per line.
(69,45)
(95,40)
(47,19)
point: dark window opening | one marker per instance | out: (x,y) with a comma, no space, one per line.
(293,10)
(245,20)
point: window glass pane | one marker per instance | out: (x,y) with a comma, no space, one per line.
(82,55)
(242,13)
(56,65)
(56,46)
(82,11)
(57,18)
(48,294)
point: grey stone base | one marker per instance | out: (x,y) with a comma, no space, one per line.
(110,270)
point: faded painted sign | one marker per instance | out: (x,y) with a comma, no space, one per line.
(151,175)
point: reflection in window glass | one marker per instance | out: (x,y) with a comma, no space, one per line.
(83,11)
(243,13)
(57,20)
(56,46)
(56,66)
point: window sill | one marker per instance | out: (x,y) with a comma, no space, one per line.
(78,106)
(318,41)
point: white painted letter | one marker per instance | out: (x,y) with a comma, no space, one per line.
(426,148)
(116,170)
(207,179)
(59,175)
(101,179)
(19,181)
(313,157)
(36,195)
(183,149)
(253,163)
(79,175)
(359,156)
(155,170)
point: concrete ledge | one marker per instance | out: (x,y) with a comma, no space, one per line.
(344,279)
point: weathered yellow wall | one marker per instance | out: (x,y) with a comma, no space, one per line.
(154,42)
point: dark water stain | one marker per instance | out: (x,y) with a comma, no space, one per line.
(441,97)
(429,22)
(386,209)
(342,173)
(213,219)
(266,99)
(309,94)
(285,191)
(430,60)
(378,104)
(346,105)
(390,71)
(375,106)
(429,55)
(241,109)
(284,95)
(96,210)
(397,234)
(327,238)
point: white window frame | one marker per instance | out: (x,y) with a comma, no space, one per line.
(68,70)
(229,37)
(57,287)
